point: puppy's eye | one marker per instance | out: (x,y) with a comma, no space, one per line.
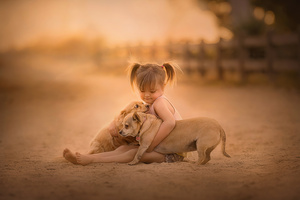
(136,106)
(126,126)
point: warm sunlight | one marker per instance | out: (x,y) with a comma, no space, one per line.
(132,21)
(149,99)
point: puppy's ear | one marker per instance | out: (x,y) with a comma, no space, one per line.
(136,117)
(123,113)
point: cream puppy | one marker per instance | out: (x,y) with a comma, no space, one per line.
(201,134)
(104,139)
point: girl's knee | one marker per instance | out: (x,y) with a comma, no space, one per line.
(129,155)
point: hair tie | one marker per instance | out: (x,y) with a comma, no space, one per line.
(162,66)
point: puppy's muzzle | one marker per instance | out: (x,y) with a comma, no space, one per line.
(121,133)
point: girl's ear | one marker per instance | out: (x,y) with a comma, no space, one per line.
(136,117)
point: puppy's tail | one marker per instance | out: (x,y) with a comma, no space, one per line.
(223,140)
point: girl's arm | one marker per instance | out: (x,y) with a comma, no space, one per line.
(168,124)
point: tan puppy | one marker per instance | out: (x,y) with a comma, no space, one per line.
(201,134)
(104,141)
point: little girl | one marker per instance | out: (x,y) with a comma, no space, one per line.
(150,80)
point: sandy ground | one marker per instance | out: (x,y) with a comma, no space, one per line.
(45,109)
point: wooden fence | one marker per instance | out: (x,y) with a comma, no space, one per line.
(269,54)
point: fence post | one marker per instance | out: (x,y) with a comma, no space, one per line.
(242,54)
(270,55)
(153,50)
(128,49)
(201,58)
(187,57)
(170,49)
(139,51)
(219,60)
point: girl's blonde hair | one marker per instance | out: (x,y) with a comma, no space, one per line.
(147,75)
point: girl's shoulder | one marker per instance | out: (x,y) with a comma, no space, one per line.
(162,103)
(160,100)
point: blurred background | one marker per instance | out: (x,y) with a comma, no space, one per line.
(242,41)
(63,77)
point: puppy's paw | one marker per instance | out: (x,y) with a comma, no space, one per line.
(133,162)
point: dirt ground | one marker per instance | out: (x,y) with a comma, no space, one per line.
(45,109)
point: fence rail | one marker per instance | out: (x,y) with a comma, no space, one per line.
(270,54)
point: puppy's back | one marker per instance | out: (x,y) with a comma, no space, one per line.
(186,132)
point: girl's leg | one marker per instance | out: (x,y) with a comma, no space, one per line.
(118,150)
(153,157)
(122,157)
(71,157)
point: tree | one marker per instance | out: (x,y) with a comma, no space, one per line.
(238,15)
(287,15)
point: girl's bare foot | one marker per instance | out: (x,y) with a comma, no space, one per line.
(83,159)
(69,156)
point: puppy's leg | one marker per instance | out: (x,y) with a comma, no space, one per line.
(138,155)
(201,154)
(207,154)
(204,151)
(206,144)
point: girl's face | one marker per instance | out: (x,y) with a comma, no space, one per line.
(149,95)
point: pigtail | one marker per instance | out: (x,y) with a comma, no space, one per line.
(132,69)
(171,72)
